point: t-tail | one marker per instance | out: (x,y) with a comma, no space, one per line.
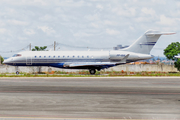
(146,42)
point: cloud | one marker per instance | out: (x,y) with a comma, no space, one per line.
(2,23)
(148,11)
(25,2)
(81,34)
(47,18)
(108,22)
(166,21)
(93,17)
(112,32)
(100,7)
(159,1)
(47,30)
(17,22)
(143,19)
(29,32)
(123,11)
(95,25)
(2,30)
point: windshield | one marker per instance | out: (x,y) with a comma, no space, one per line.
(16,55)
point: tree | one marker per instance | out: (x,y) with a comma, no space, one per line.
(171,51)
(39,48)
(2,59)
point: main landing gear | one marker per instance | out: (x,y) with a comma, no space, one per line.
(92,71)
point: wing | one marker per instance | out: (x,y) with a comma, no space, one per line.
(100,65)
(92,64)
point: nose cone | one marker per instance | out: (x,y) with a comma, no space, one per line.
(7,61)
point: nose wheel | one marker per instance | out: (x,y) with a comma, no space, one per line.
(92,71)
(17,72)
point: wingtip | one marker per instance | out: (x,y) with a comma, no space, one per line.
(169,33)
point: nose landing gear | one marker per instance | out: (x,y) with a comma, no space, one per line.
(17,72)
(92,71)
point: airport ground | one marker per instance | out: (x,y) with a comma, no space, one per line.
(126,67)
(90,98)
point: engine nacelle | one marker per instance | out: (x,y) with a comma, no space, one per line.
(115,55)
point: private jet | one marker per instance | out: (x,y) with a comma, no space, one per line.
(91,60)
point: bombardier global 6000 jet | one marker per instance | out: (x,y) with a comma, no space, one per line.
(91,60)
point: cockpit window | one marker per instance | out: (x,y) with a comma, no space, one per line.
(17,55)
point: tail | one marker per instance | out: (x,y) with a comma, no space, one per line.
(145,43)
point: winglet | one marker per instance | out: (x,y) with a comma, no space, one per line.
(124,59)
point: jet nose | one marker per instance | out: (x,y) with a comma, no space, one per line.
(7,61)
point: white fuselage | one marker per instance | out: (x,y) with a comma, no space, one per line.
(59,58)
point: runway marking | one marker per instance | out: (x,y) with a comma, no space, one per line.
(86,92)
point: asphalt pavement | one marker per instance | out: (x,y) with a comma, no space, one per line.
(90,98)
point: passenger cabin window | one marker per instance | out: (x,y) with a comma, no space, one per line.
(44,56)
(17,55)
(49,56)
(78,56)
(35,56)
(63,56)
(39,56)
(82,56)
(54,56)
(87,56)
(58,56)
(73,56)
(67,56)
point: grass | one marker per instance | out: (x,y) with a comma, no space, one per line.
(86,74)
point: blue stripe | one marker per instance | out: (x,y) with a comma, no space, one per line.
(147,44)
(60,65)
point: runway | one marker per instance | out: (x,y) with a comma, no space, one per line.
(90,98)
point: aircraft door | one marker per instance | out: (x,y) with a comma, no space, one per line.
(28,60)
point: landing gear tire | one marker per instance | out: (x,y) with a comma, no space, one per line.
(17,72)
(92,71)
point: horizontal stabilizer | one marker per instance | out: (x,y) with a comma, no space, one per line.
(146,42)
(161,33)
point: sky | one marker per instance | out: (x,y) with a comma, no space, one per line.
(85,23)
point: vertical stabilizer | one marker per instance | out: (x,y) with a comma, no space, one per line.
(145,43)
